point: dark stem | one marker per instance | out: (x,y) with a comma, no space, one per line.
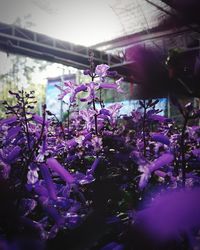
(183,149)
(100,98)
(143,129)
(94,107)
(68,114)
(95,117)
(25,121)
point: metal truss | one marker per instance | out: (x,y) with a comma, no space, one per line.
(21,41)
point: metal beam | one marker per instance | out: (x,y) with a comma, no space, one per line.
(139,38)
(21,41)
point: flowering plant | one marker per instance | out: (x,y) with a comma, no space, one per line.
(97,168)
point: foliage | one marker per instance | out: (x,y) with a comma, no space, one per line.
(87,178)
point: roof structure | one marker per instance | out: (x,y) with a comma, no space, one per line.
(63,31)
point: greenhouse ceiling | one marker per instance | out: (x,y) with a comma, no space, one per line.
(84,22)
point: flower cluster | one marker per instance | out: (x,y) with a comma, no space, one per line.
(96,164)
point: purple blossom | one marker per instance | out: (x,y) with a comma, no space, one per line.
(71,143)
(113,246)
(32,176)
(8,120)
(72,89)
(60,170)
(96,143)
(38,118)
(115,85)
(196,152)
(92,87)
(108,86)
(88,117)
(48,181)
(158,118)
(118,82)
(101,70)
(13,155)
(13,132)
(40,190)
(159,137)
(4,170)
(53,213)
(144,177)
(171,214)
(94,165)
(153,166)
(163,160)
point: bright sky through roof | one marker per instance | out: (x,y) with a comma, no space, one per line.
(84,22)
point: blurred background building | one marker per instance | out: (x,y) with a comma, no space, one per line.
(153,44)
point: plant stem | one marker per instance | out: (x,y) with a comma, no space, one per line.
(143,129)
(68,120)
(182,148)
(25,121)
(93,103)
(95,117)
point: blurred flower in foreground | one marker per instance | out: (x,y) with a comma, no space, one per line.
(171,215)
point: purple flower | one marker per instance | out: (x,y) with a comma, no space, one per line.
(144,177)
(87,72)
(88,116)
(96,143)
(48,181)
(60,170)
(53,213)
(8,120)
(118,82)
(115,85)
(113,246)
(80,88)
(27,205)
(94,165)
(71,143)
(91,89)
(40,190)
(196,152)
(108,86)
(153,166)
(163,160)
(32,176)
(105,112)
(4,169)
(170,215)
(158,118)
(13,155)
(72,89)
(13,132)
(114,111)
(160,138)
(101,70)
